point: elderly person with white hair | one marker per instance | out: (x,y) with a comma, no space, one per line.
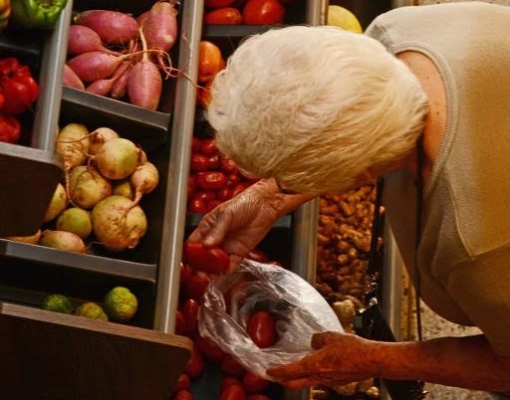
(422,96)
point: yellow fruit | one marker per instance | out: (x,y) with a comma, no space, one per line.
(343,18)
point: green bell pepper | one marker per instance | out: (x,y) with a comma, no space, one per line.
(37,14)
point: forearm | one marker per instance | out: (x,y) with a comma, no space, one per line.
(467,362)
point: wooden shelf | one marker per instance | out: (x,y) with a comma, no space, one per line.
(28,178)
(48,355)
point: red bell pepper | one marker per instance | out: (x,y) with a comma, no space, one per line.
(17,86)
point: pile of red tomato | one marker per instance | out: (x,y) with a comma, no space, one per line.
(248,12)
(199,265)
(18,92)
(213,177)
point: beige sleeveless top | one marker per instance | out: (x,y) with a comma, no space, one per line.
(464,254)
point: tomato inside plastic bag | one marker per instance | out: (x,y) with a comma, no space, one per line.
(297,308)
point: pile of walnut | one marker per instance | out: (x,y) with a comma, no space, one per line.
(345,224)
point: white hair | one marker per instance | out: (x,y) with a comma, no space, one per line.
(315,107)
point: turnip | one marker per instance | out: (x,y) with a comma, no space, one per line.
(100,136)
(58,203)
(125,189)
(113,27)
(62,240)
(117,225)
(144,180)
(117,158)
(32,239)
(75,220)
(87,187)
(95,65)
(72,145)
(83,39)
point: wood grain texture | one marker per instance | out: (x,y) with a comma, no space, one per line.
(28,178)
(46,355)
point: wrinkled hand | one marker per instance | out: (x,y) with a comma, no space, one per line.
(238,225)
(340,358)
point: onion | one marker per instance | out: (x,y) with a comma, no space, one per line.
(117,225)
(99,137)
(62,240)
(58,203)
(117,158)
(144,180)
(87,187)
(75,220)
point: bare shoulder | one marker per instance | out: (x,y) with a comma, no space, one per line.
(432,83)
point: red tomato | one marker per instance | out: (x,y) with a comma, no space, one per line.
(231,367)
(213,162)
(232,180)
(224,194)
(218,3)
(183,383)
(195,144)
(258,396)
(180,323)
(186,274)
(263,12)
(183,395)
(208,147)
(238,4)
(198,206)
(229,380)
(207,259)
(190,309)
(240,187)
(198,162)
(195,365)
(197,285)
(192,186)
(209,349)
(233,392)
(262,329)
(210,61)
(205,195)
(254,384)
(223,16)
(228,166)
(212,204)
(211,180)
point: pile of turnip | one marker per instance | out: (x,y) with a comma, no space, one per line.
(126,57)
(106,176)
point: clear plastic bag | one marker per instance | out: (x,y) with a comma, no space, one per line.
(298,309)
